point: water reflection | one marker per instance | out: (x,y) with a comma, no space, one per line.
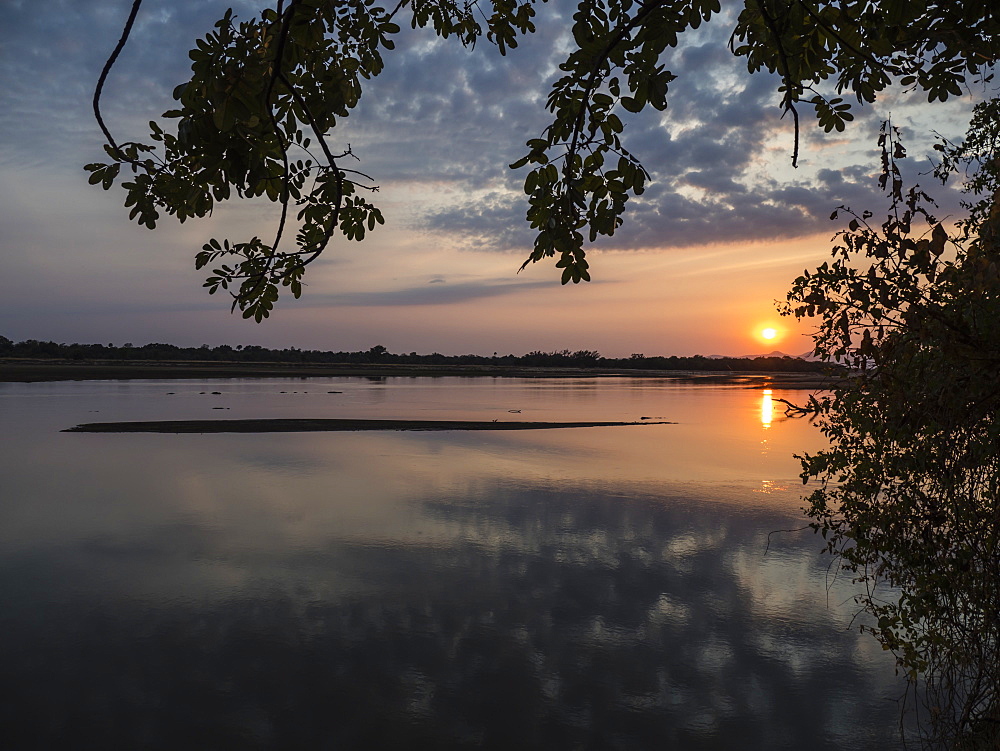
(443,590)
(766,409)
(551,619)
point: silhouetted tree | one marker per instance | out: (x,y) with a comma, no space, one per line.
(909,491)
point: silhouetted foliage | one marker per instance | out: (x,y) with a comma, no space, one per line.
(265,90)
(252,353)
(909,493)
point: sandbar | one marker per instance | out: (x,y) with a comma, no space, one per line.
(328,425)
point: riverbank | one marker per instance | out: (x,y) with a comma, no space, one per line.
(31,371)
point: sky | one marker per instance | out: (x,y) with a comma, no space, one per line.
(724,227)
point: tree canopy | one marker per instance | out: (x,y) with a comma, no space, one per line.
(909,490)
(258,116)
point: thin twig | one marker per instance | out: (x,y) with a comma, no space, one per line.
(776,531)
(278,55)
(786,76)
(104,77)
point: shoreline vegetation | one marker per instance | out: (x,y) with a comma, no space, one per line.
(32,361)
(307,425)
(32,371)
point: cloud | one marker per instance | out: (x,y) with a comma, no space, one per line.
(493,221)
(52,55)
(720,164)
(436,291)
(436,130)
(442,118)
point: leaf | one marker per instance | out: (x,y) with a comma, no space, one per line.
(631,104)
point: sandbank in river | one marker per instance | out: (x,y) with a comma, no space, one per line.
(327,425)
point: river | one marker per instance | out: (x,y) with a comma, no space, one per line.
(620,587)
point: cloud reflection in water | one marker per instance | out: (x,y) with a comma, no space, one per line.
(587,590)
(554,617)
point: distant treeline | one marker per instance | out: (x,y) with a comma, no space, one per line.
(252,353)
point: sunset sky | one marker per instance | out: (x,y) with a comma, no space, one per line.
(722,230)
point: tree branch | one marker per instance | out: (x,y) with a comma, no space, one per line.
(594,71)
(786,75)
(104,77)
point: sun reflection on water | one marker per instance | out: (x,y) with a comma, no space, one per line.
(766,409)
(770,487)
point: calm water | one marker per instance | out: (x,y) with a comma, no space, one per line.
(585,588)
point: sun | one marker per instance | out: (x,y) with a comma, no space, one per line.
(767,332)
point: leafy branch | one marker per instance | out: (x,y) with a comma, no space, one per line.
(908,491)
(262,91)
